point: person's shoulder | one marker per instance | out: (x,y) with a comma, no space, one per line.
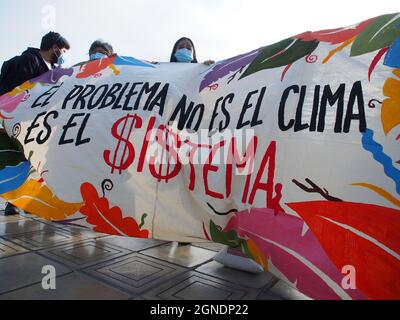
(34,51)
(30,53)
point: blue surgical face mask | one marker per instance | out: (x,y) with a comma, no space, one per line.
(97,55)
(184,55)
(60,58)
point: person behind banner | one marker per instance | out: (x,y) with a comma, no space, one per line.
(30,64)
(184,51)
(100,49)
(33,62)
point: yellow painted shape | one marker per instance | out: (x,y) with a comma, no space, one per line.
(36,198)
(336,50)
(390,114)
(257,254)
(380,191)
(27,85)
(114,68)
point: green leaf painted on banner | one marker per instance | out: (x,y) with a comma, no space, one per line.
(11,151)
(229,238)
(280,54)
(379,34)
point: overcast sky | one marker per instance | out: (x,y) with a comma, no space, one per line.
(148,28)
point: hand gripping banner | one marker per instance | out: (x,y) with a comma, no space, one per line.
(289,152)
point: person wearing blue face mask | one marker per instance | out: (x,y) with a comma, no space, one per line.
(100,49)
(32,63)
(184,55)
(184,51)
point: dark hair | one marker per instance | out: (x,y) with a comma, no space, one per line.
(173,58)
(53,38)
(101,44)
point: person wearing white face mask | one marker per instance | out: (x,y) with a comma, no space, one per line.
(184,51)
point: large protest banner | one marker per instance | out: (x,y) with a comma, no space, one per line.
(289,152)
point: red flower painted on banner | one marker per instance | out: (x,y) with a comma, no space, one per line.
(335,36)
(94,67)
(105,219)
(365,236)
(283,242)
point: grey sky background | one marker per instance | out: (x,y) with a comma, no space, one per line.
(147,29)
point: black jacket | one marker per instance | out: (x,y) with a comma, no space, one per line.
(21,68)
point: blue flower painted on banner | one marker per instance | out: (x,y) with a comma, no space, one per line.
(130,61)
(392,58)
(12,178)
(376,149)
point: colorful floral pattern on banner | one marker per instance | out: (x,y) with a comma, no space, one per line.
(289,152)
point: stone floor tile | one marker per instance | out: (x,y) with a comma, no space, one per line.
(135,272)
(132,244)
(244,278)
(41,239)
(184,255)
(8,248)
(286,291)
(21,226)
(197,286)
(13,218)
(269,296)
(25,269)
(83,254)
(209,245)
(84,232)
(73,286)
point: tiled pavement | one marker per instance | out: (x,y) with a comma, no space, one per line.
(95,266)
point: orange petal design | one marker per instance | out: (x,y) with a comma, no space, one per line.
(338,49)
(390,115)
(380,191)
(36,198)
(257,254)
